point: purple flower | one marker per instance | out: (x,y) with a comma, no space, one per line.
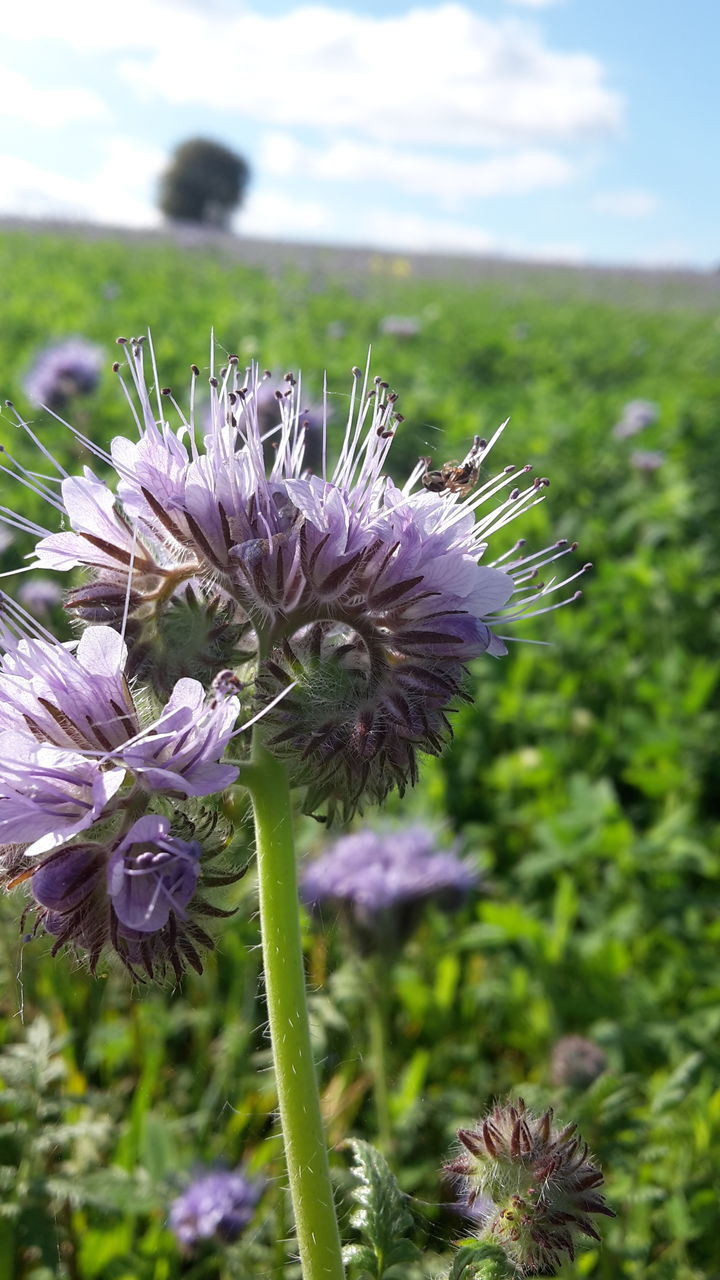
(400,327)
(151,874)
(368,596)
(77,697)
(62,371)
(377,879)
(48,795)
(647,459)
(73,696)
(39,595)
(179,751)
(131,893)
(219,1203)
(635,417)
(79,775)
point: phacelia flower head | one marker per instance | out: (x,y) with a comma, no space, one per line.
(542,1182)
(647,460)
(40,595)
(63,371)
(219,1203)
(83,770)
(635,417)
(369,597)
(377,880)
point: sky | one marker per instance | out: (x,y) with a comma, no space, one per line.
(569,130)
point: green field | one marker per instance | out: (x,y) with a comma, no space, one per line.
(583,781)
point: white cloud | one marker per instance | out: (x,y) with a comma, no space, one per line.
(423,235)
(428,76)
(415,233)
(631,203)
(22,100)
(120,192)
(86,25)
(269,213)
(450,180)
(534,4)
(673,254)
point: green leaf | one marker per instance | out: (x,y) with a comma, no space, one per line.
(480,1262)
(382,1216)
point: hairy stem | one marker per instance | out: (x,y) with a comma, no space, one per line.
(305,1150)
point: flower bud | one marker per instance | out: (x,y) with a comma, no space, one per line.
(577,1062)
(543,1185)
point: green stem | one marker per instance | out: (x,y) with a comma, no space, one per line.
(377,1008)
(305,1149)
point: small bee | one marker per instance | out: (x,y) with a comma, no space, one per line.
(455,477)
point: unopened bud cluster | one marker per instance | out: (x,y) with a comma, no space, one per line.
(540,1183)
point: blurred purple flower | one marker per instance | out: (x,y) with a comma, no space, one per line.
(647,459)
(219,1203)
(39,595)
(62,371)
(635,417)
(373,875)
(400,327)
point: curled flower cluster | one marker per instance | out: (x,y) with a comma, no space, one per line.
(378,879)
(62,371)
(540,1185)
(210,568)
(217,1203)
(81,770)
(368,597)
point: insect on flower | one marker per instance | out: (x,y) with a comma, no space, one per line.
(367,597)
(456,477)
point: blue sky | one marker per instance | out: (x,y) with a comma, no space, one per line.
(582,130)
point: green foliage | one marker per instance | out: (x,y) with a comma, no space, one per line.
(584,783)
(52,1145)
(204,183)
(480,1262)
(382,1218)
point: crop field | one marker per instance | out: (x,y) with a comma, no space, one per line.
(582,784)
